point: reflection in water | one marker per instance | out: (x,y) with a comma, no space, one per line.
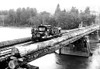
(55,61)
(72,62)
(95,60)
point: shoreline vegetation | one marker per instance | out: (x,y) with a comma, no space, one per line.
(29,17)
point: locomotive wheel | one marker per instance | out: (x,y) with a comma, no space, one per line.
(37,39)
(33,39)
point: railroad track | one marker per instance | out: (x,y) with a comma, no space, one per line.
(10,43)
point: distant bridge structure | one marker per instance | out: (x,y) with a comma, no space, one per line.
(75,42)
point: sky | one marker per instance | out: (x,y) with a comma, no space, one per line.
(50,5)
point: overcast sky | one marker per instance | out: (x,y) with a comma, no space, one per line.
(49,5)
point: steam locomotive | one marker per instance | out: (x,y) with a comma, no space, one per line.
(45,31)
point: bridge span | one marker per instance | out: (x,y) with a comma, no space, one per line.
(77,41)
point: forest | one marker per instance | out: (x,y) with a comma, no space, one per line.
(30,17)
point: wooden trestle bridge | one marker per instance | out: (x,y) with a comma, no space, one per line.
(74,42)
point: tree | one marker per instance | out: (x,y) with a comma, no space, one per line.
(87,10)
(74,10)
(52,21)
(44,16)
(11,18)
(57,11)
(86,17)
(18,12)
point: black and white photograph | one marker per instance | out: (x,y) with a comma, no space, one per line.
(49,34)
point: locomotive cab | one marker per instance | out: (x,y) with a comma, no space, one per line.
(42,30)
(45,30)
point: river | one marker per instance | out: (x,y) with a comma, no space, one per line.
(56,61)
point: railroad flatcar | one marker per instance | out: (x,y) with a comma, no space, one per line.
(45,31)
